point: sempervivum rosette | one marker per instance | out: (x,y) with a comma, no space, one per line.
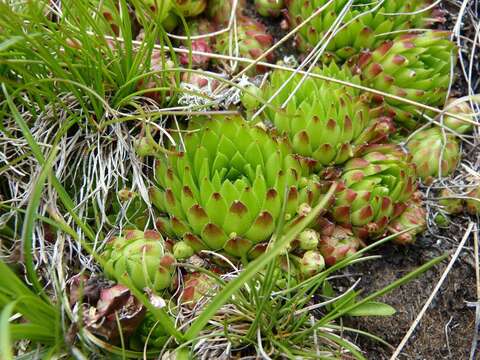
(324,120)
(414,218)
(227,189)
(435,153)
(375,188)
(472,203)
(413,66)
(462,109)
(251,40)
(337,242)
(203,44)
(142,257)
(220,11)
(270,8)
(363,26)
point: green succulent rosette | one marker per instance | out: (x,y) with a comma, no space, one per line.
(415,218)
(374,189)
(226,190)
(365,24)
(191,8)
(150,332)
(434,152)
(324,120)
(251,41)
(269,8)
(413,66)
(220,11)
(142,256)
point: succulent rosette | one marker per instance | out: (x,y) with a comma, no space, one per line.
(251,40)
(191,8)
(325,121)
(198,27)
(414,217)
(220,11)
(364,25)
(450,202)
(197,286)
(226,189)
(473,202)
(461,109)
(374,189)
(269,8)
(337,243)
(142,256)
(434,152)
(412,66)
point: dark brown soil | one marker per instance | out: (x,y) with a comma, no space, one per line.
(447,328)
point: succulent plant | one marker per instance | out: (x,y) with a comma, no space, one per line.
(142,257)
(198,27)
(412,66)
(473,203)
(250,40)
(311,263)
(220,11)
(337,243)
(307,240)
(462,109)
(271,8)
(374,189)
(226,189)
(329,130)
(160,10)
(435,153)
(364,25)
(191,8)
(450,201)
(414,215)
(196,286)
(159,64)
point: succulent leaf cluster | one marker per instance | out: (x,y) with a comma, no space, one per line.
(375,189)
(142,256)
(226,189)
(364,25)
(249,40)
(416,67)
(434,152)
(324,120)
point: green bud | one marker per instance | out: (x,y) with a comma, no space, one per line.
(311,263)
(308,239)
(181,250)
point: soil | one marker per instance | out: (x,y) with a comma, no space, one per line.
(447,328)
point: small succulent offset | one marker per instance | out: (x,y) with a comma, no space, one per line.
(462,109)
(250,40)
(204,44)
(142,257)
(337,243)
(375,188)
(324,120)
(365,24)
(472,204)
(269,8)
(226,190)
(220,11)
(414,218)
(434,152)
(413,66)
(191,8)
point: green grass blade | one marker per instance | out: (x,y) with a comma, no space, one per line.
(252,269)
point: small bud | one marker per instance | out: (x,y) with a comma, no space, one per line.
(311,263)
(308,239)
(181,250)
